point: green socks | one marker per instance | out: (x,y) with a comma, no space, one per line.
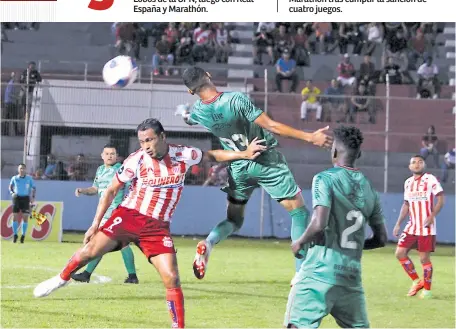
(299,222)
(221,232)
(129,259)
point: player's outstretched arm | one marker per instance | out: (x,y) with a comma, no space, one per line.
(252,152)
(402,215)
(103,205)
(320,218)
(318,138)
(378,239)
(93,190)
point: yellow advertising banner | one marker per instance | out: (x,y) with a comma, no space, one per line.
(49,230)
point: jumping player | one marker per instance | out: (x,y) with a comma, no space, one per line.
(419,193)
(233,118)
(103,177)
(156,172)
(329,281)
(22,189)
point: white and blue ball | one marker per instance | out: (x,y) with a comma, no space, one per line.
(120,72)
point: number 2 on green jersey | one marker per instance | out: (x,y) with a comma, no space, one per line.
(353,215)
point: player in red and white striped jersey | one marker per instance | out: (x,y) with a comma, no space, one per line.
(157,172)
(423,200)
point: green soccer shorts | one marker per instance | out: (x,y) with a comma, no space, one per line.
(270,172)
(311,300)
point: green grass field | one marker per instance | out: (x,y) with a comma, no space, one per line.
(246,286)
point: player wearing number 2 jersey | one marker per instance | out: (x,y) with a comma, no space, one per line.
(420,192)
(329,281)
(233,118)
(156,172)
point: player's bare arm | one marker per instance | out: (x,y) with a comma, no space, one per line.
(402,216)
(103,205)
(378,239)
(318,138)
(439,205)
(318,223)
(93,190)
(252,152)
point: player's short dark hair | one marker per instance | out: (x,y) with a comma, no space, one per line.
(151,123)
(351,137)
(418,156)
(23,165)
(195,78)
(110,146)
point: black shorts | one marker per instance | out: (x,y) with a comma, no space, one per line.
(21,204)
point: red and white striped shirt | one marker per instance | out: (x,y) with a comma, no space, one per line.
(419,193)
(156,185)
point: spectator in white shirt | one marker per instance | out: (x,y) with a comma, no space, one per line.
(222,44)
(428,81)
(374,37)
(448,163)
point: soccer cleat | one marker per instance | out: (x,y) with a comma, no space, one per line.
(425,294)
(415,288)
(15,238)
(203,249)
(81,277)
(22,238)
(294,280)
(45,288)
(132,278)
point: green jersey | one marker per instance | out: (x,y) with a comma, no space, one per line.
(230,116)
(103,179)
(336,257)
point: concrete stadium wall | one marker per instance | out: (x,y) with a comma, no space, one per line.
(201,208)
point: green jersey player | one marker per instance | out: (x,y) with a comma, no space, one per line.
(103,177)
(233,118)
(329,281)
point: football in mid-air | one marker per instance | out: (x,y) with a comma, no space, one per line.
(120,72)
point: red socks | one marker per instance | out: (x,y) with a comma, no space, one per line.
(427,274)
(408,266)
(73,265)
(175,301)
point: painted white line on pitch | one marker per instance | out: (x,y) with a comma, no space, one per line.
(97,279)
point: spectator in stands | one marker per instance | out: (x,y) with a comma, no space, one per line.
(418,49)
(11,110)
(266,27)
(38,174)
(361,102)
(310,100)
(163,57)
(367,70)
(397,48)
(29,78)
(184,49)
(262,43)
(349,34)
(79,169)
(396,75)
(391,29)
(222,44)
(60,173)
(448,163)
(346,72)
(429,144)
(428,80)
(126,35)
(49,171)
(323,35)
(286,70)
(334,101)
(203,38)
(374,37)
(172,35)
(430,34)
(301,49)
(282,41)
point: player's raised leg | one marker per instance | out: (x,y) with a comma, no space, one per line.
(99,245)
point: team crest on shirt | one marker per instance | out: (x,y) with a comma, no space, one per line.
(167,242)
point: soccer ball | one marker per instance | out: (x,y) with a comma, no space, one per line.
(120,72)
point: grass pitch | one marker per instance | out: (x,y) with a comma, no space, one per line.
(247,285)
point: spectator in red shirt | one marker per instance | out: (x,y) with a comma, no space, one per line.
(301,49)
(418,48)
(173,36)
(204,49)
(222,43)
(346,72)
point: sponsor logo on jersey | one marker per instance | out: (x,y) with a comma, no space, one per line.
(167,242)
(176,180)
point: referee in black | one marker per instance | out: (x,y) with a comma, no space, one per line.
(22,189)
